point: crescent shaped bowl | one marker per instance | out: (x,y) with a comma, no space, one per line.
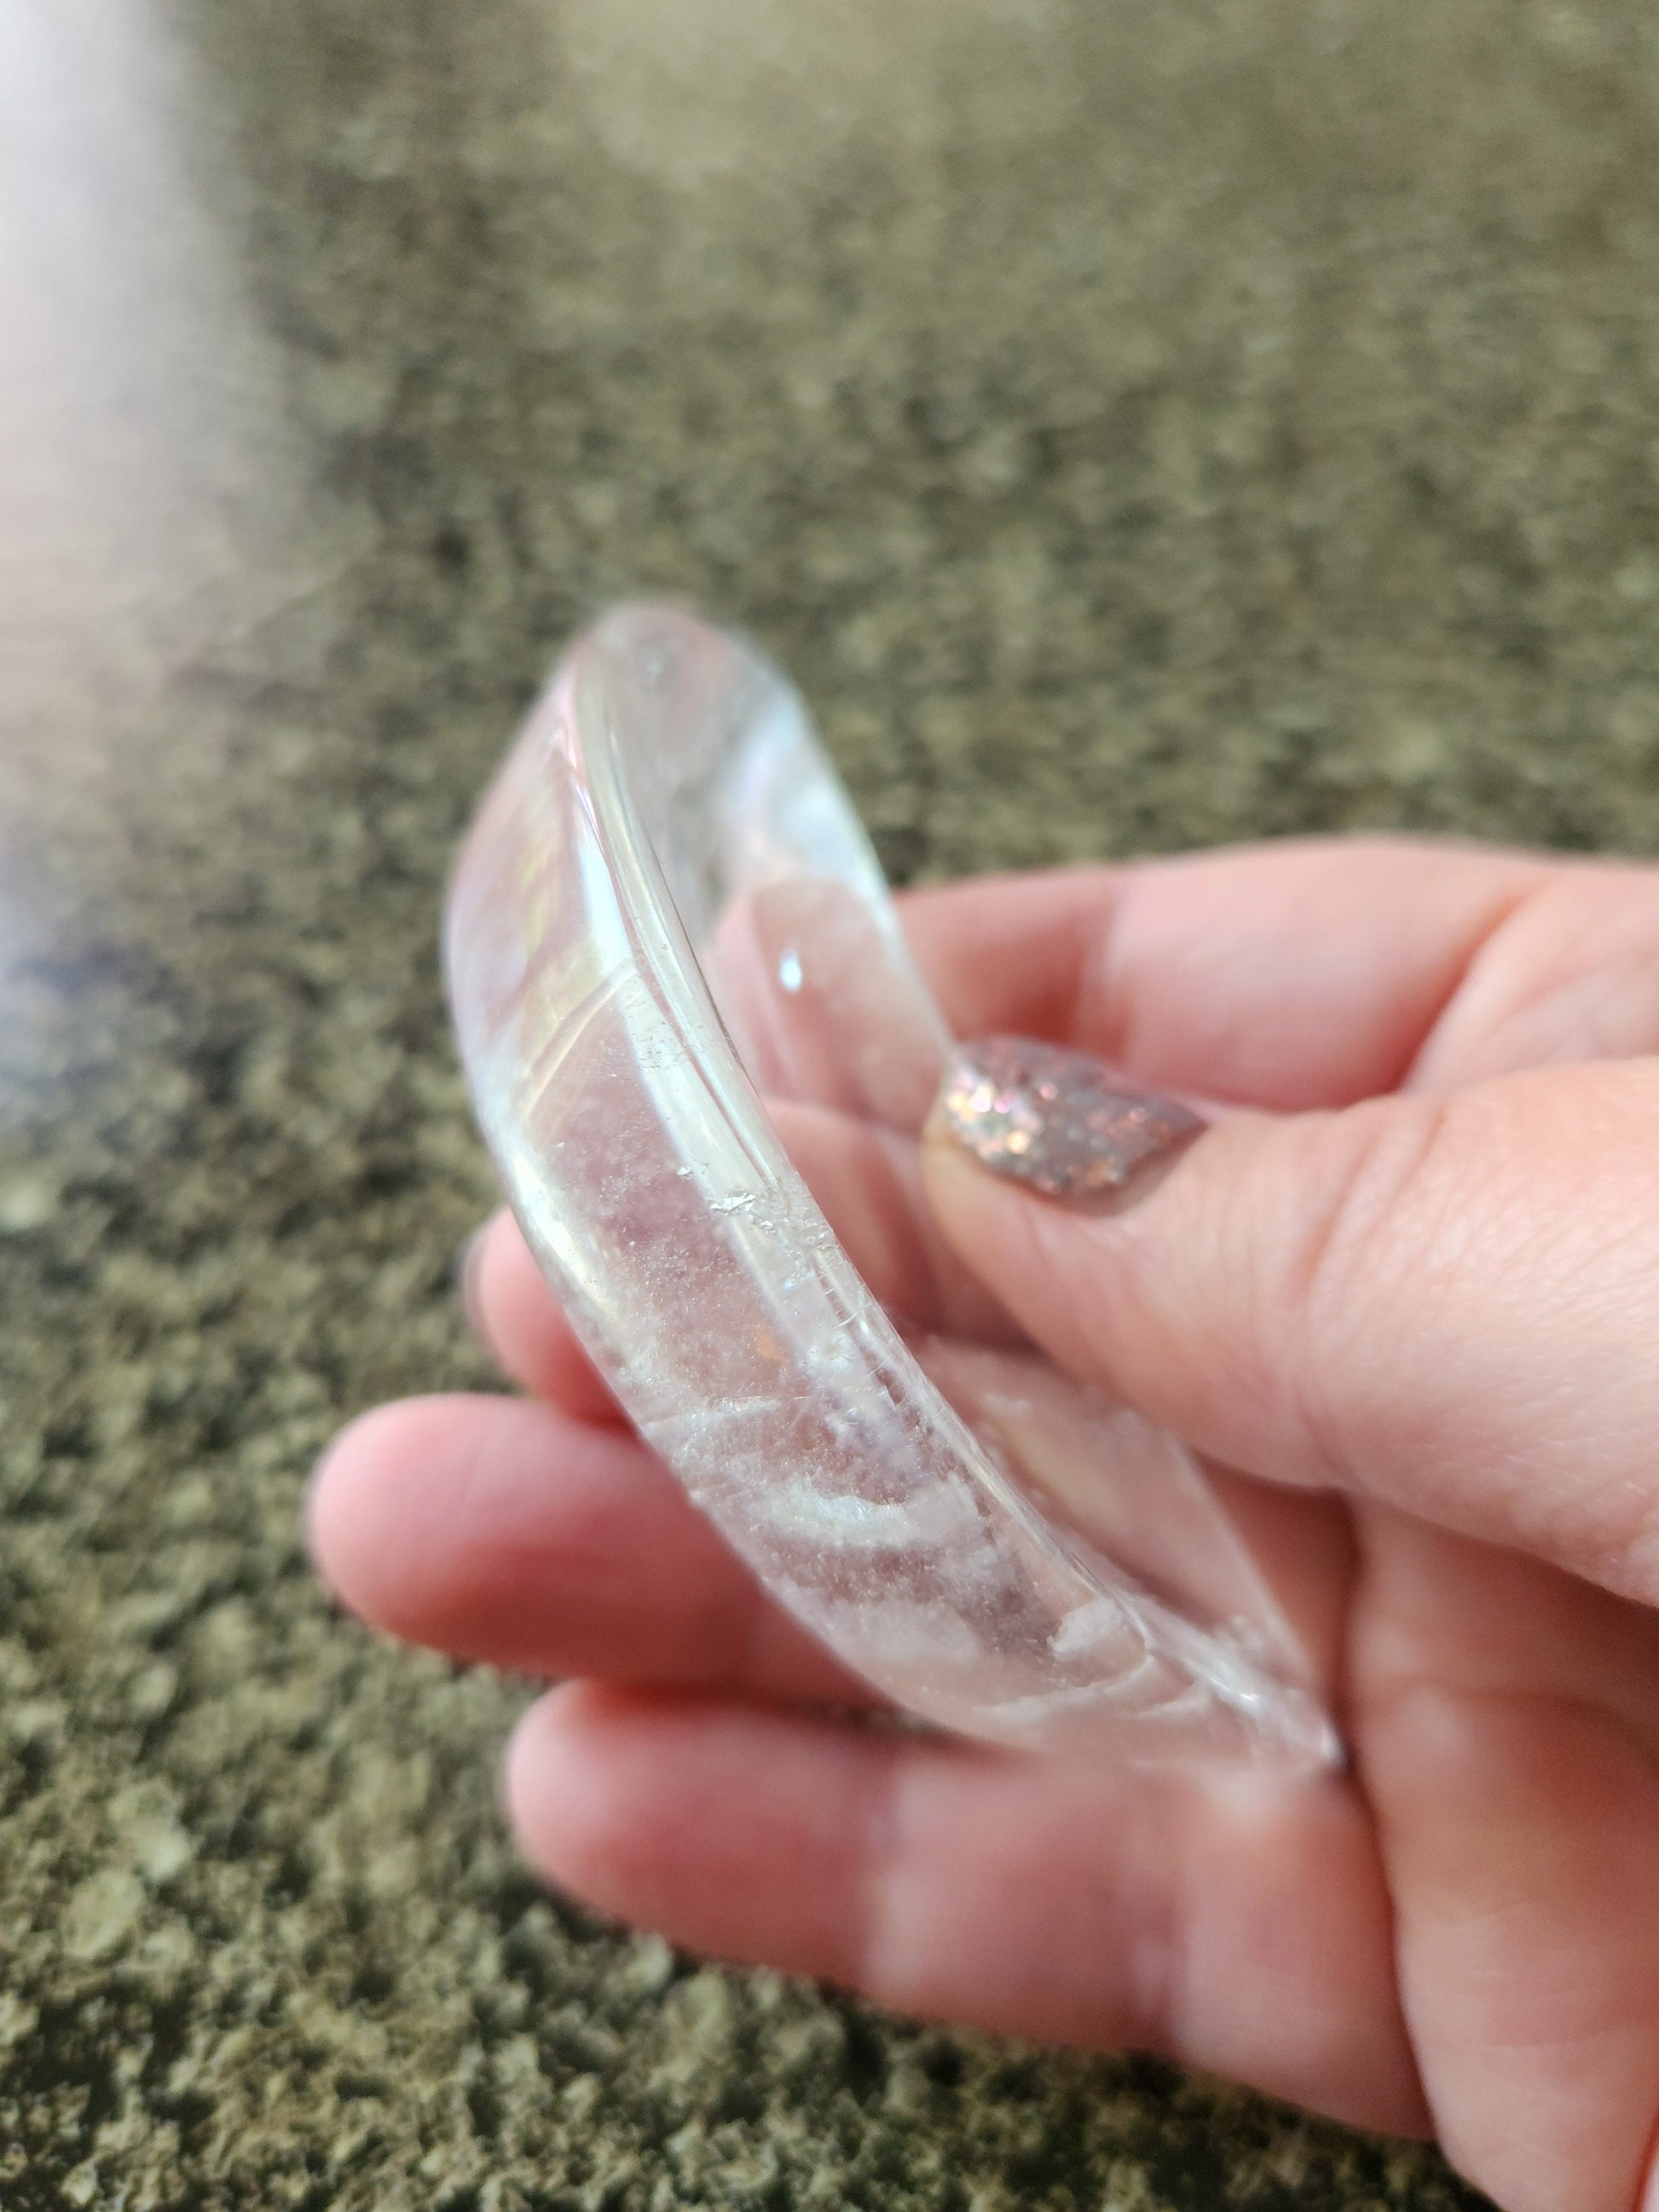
(677,982)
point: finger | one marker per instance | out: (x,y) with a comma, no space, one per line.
(496,1529)
(1492,1622)
(1511,1827)
(1505,1716)
(1572,974)
(1448,1306)
(519,1322)
(1289,975)
(1240,1929)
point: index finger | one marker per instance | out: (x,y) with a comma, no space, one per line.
(1288,976)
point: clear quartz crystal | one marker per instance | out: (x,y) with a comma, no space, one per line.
(673,964)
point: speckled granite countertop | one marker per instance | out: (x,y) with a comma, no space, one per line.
(1137,424)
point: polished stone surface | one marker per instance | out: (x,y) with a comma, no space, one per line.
(664,903)
(1134,425)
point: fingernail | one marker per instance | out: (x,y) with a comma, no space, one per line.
(1054,1120)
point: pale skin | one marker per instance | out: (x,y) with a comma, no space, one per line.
(1410,1279)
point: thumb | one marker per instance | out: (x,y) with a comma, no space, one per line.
(1450,1303)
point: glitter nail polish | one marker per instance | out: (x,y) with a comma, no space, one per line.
(1056,1121)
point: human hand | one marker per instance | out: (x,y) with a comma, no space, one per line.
(1414,1285)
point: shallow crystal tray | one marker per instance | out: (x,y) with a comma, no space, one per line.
(672,962)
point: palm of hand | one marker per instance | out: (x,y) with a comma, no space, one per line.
(1461,1934)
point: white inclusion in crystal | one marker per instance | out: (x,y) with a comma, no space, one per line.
(933,1517)
(736,1202)
(1085,1625)
(897,1631)
(789,972)
(1144,1689)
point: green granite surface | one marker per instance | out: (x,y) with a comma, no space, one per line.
(1138,421)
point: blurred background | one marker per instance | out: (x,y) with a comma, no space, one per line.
(1136,422)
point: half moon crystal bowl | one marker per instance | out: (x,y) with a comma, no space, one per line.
(702,1057)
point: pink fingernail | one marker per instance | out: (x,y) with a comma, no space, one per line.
(1057,1120)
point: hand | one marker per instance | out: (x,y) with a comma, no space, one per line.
(1414,1285)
